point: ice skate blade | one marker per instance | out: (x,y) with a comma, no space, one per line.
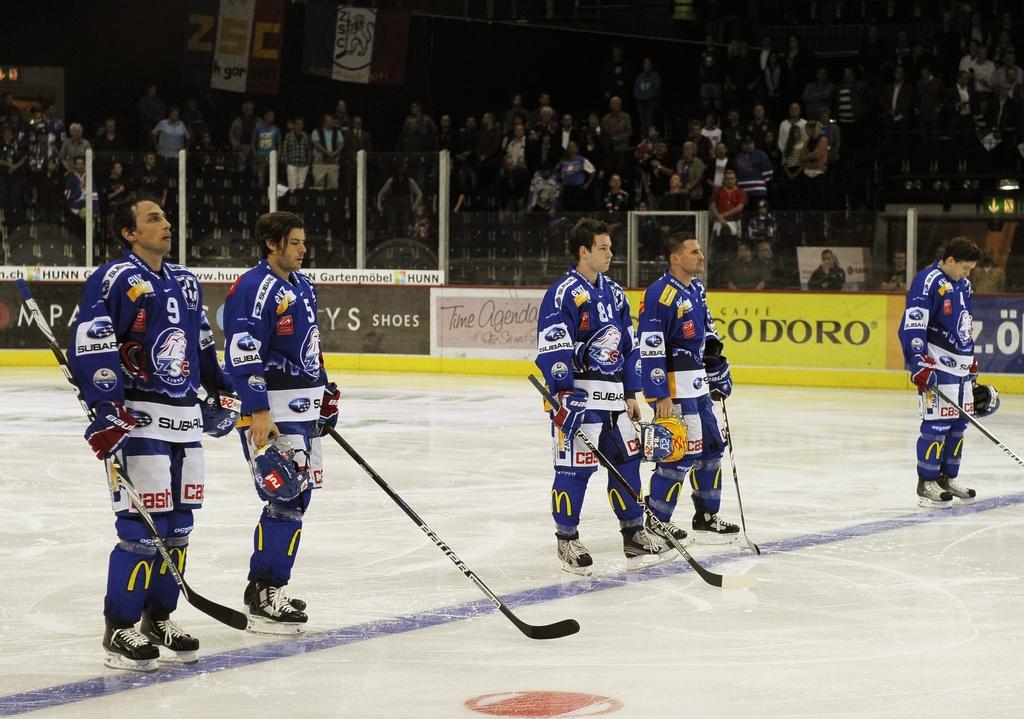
(169,656)
(579,571)
(698,536)
(933,503)
(646,561)
(259,625)
(114,660)
(964,500)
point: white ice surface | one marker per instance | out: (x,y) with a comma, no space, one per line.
(865,605)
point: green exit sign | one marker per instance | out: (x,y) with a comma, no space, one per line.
(1001,206)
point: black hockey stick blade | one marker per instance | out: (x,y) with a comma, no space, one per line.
(980,427)
(225,615)
(545,631)
(733,581)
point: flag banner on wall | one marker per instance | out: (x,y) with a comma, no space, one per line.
(234,45)
(355,44)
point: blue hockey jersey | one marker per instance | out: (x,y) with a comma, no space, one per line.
(675,323)
(272,344)
(575,312)
(156,321)
(937,321)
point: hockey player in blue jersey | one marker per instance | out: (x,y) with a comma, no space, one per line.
(586,349)
(682,370)
(938,345)
(141,347)
(272,352)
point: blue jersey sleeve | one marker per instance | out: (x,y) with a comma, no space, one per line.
(556,336)
(629,347)
(653,332)
(248,323)
(913,332)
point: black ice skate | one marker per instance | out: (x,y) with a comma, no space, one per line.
(575,557)
(711,529)
(127,648)
(179,647)
(250,592)
(966,495)
(644,549)
(270,612)
(667,527)
(932,496)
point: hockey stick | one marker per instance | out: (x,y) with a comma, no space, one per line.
(546,631)
(741,581)
(736,480)
(120,478)
(981,428)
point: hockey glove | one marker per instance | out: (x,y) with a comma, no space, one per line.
(133,360)
(569,415)
(329,406)
(601,351)
(973,372)
(922,372)
(220,413)
(110,429)
(719,377)
(986,400)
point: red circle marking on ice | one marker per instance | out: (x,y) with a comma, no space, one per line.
(543,704)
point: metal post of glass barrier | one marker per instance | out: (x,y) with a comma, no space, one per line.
(89,219)
(911,244)
(361,210)
(443,204)
(272,180)
(182,207)
(632,251)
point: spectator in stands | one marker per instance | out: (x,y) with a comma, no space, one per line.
(753,171)
(793,120)
(690,169)
(714,172)
(647,94)
(113,188)
(515,145)
(617,126)
(987,277)
(415,138)
(266,138)
(464,157)
(110,142)
(983,72)
(726,207)
(576,174)
(457,200)
(357,138)
(744,272)
(543,100)
(151,112)
(13,178)
(897,103)
(55,126)
(545,123)
(818,94)
(793,169)
(74,196)
(1009,74)
(616,74)
(828,275)
(327,142)
(515,113)
(656,175)
(744,74)
(675,200)
(902,54)
(422,227)
(711,131)
(616,201)
(711,80)
(45,176)
(445,133)
(170,135)
(759,126)
(814,160)
(513,184)
(928,106)
(150,180)
(342,120)
(946,46)
(771,268)
(398,198)
(18,127)
(770,89)
(835,180)
(895,279)
(193,117)
(593,149)
(873,56)
(542,152)
(733,132)
(1002,120)
(701,144)
(567,132)
(488,152)
(240,135)
(796,68)
(74,146)
(544,191)
(763,227)
(645,148)
(296,153)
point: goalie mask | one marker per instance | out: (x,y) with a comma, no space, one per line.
(986,400)
(664,440)
(280,472)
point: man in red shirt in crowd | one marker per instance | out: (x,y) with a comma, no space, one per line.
(727,203)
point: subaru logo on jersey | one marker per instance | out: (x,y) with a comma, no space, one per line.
(653,341)
(657,375)
(104,379)
(100,328)
(257,383)
(141,417)
(559,370)
(247,343)
(948,361)
(965,326)
(169,353)
(698,382)
(190,290)
(311,352)
(554,334)
(917,344)
(915,314)
(604,349)
(299,404)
